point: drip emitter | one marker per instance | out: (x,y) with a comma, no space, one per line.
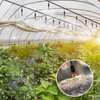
(72,67)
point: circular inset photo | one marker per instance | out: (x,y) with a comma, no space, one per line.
(74,78)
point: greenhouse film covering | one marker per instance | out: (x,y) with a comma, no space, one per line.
(36,21)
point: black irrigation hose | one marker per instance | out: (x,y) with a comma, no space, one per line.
(41,13)
(72,67)
(73,12)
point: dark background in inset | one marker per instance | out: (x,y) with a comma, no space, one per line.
(65,71)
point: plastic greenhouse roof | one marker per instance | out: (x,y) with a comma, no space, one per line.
(24,20)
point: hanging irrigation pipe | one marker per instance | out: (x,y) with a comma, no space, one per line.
(73,12)
(40,12)
(77,16)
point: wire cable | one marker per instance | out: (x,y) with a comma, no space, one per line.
(41,13)
(73,12)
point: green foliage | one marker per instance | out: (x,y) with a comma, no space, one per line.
(28,72)
(23,51)
(29,43)
(50,91)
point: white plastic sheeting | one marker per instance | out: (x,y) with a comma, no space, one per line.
(17,28)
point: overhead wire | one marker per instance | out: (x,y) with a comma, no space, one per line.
(42,13)
(73,12)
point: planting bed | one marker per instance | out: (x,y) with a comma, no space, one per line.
(28,72)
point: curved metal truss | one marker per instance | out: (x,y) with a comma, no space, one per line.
(59,23)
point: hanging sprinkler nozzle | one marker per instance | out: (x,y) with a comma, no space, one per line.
(35,16)
(21,11)
(72,67)
(64,13)
(48,5)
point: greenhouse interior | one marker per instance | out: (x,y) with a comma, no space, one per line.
(37,37)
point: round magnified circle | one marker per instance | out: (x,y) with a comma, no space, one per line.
(74,78)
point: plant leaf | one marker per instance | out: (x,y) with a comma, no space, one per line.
(64,97)
(40,90)
(48,97)
(53,90)
(44,83)
(95,95)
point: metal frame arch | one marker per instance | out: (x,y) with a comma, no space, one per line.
(1,2)
(42,13)
(75,1)
(42,16)
(97,19)
(19,37)
(5,27)
(55,39)
(66,1)
(29,39)
(25,40)
(45,37)
(49,37)
(34,36)
(83,24)
(62,37)
(7,11)
(76,9)
(28,15)
(85,11)
(73,12)
(58,36)
(86,26)
(10,35)
(41,36)
(65,37)
(55,36)
(67,15)
(13,13)
(51,18)
(17,33)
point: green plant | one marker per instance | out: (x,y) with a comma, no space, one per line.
(50,91)
(35,80)
(29,43)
